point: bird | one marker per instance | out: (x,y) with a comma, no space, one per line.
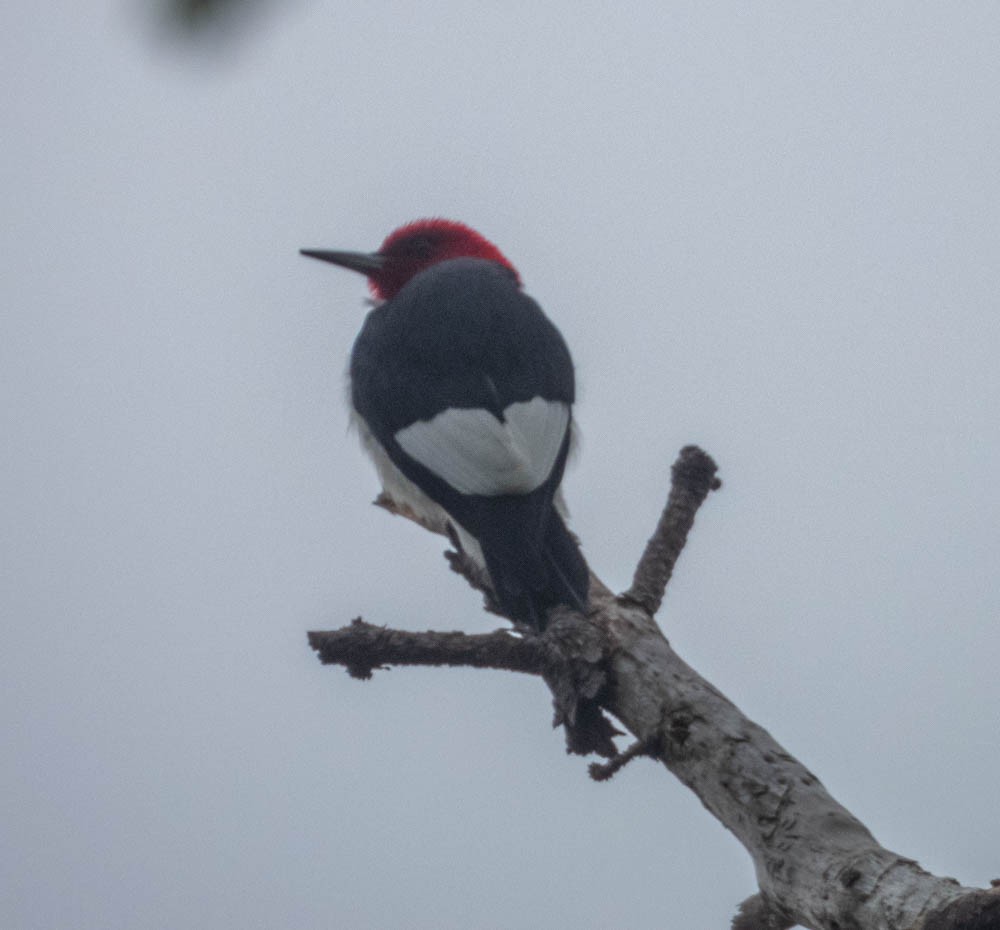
(462,390)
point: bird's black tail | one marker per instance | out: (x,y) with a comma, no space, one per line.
(529,578)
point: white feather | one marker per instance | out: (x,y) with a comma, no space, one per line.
(478,454)
(404,492)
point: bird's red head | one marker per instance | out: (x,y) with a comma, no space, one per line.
(412,248)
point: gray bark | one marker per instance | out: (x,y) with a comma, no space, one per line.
(817,865)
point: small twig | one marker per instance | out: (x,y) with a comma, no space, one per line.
(408,513)
(477,577)
(458,560)
(693,477)
(604,771)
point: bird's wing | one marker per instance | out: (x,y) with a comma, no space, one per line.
(477,453)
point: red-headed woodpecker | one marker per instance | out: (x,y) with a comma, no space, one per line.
(463,390)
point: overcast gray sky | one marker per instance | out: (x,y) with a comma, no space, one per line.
(771,229)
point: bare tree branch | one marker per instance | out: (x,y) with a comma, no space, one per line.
(979,910)
(816,864)
(362,647)
(693,478)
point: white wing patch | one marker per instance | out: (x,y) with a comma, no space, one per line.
(477,454)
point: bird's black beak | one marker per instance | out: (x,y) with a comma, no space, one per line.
(368,263)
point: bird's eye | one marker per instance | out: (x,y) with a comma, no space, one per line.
(419,247)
